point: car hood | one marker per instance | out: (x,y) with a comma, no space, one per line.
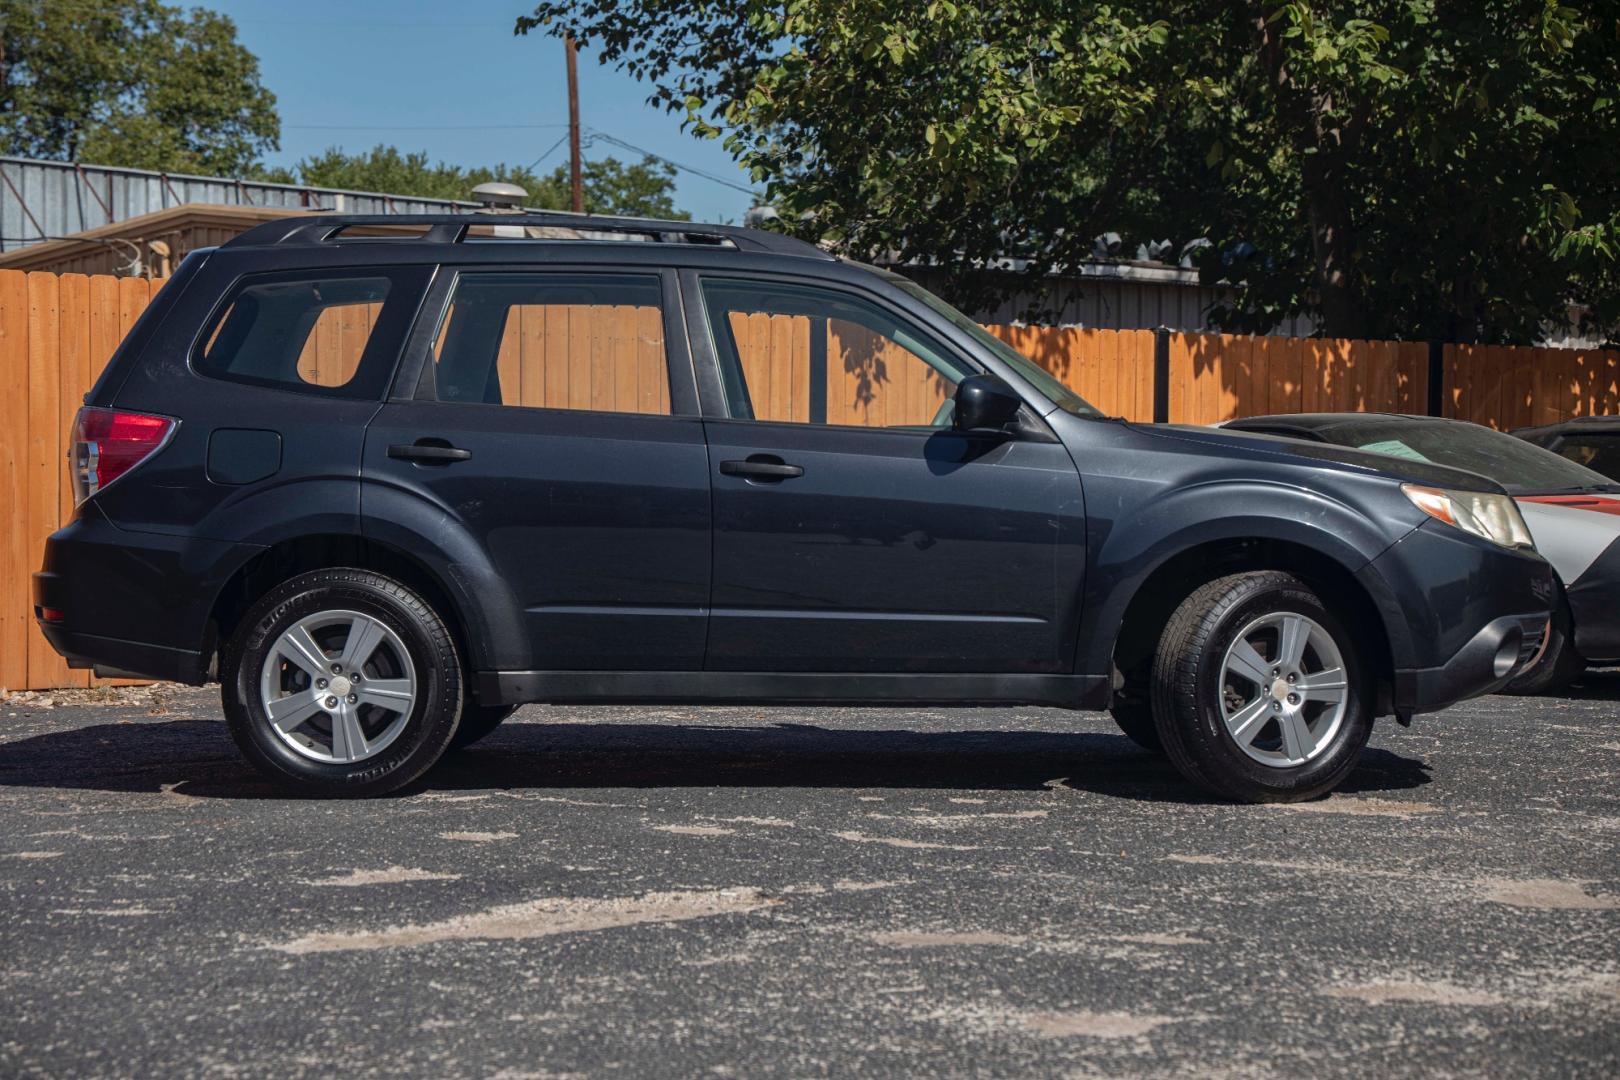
(1317,455)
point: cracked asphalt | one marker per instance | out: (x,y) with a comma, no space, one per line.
(808,892)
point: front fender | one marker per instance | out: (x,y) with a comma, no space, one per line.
(1128,550)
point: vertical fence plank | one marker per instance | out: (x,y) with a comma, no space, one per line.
(72,380)
(45,667)
(15,603)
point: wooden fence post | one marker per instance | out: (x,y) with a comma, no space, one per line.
(1161,375)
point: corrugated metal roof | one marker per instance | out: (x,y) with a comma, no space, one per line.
(42,200)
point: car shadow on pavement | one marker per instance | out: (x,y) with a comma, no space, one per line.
(1598,685)
(197,758)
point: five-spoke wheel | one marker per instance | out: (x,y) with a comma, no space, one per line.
(1259,693)
(342,681)
(338,686)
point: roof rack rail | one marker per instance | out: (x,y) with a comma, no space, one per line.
(454,228)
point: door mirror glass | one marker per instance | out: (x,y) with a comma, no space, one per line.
(984,403)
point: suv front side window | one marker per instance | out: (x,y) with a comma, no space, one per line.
(797,354)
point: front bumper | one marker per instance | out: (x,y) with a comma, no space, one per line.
(1464,617)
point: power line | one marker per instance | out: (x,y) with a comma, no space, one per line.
(418,127)
(615,141)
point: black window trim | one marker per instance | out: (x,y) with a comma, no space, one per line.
(413,382)
(408,283)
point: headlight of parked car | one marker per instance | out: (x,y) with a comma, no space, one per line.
(1491,517)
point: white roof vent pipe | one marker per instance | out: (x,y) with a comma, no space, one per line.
(500,198)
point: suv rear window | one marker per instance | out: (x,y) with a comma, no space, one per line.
(311,333)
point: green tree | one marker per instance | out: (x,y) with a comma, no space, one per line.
(643,189)
(131,82)
(1392,168)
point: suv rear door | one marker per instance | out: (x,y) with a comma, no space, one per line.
(554,423)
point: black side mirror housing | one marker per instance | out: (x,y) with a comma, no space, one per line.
(985,403)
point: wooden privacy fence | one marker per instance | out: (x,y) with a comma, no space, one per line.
(57,333)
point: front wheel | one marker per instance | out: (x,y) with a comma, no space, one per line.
(342,682)
(1259,691)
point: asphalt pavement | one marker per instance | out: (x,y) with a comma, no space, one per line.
(807,892)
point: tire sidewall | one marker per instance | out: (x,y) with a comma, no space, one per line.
(432,721)
(1324,770)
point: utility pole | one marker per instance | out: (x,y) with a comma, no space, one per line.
(575,183)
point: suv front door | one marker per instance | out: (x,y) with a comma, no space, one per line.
(854,529)
(554,422)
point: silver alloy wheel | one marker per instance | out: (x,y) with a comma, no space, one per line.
(338,686)
(1284,689)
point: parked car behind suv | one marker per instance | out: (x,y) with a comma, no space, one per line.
(392,477)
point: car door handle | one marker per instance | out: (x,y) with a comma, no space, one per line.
(758,468)
(436,452)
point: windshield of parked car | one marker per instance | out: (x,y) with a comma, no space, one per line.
(1518,466)
(1047,384)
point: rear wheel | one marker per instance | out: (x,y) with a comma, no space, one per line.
(342,682)
(1259,691)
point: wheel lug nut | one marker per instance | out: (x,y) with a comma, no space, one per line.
(331,703)
(1276,706)
(353,698)
(1293,699)
(337,669)
(320,684)
(1292,677)
(1276,671)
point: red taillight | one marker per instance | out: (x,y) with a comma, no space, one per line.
(107,443)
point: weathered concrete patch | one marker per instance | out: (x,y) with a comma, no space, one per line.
(1093,1025)
(902,939)
(33,854)
(1167,940)
(696,830)
(1424,993)
(541,918)
(899,842)
(393,875)
(1356,807)
(477,837)
(1547,895)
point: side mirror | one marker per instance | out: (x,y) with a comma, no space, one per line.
(984,403)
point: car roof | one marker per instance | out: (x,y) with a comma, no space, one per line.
(1607,425)
(1314,422)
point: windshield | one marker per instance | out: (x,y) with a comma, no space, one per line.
(1044,381)
(1515,464)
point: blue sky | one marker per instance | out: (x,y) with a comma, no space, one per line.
(450,78)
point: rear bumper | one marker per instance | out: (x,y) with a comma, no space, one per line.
(1464,616)
(132,603)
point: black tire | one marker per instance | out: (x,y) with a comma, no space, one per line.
(429,725)
(1559,666)
(1133,712)
(478,721)
(1188,685)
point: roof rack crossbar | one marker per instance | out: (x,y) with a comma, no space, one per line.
(452,228)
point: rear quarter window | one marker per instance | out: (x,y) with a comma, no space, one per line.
(320,332)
